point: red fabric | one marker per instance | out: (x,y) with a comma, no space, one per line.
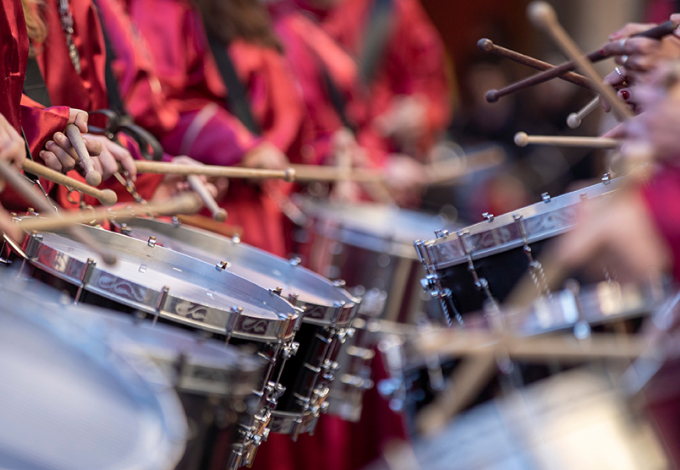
(662,196)
(191,82)
(413,62)
(309,50)
(138,83)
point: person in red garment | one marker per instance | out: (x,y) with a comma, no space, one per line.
(13,153)
(402,62)
(207,131)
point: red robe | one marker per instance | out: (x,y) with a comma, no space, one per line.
(38,124)
(206,131)
(413,63)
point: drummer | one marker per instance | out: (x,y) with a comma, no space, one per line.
(13,152)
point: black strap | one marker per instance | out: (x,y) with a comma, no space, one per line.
(34,84)
(376,37)
(237,98)
(335,95)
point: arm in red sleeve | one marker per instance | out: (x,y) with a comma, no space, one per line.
(662,197)
(40,124)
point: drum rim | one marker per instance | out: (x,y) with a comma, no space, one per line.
(281,328)
(540,221)
(330,313)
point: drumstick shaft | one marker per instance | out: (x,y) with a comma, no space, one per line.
(92,176)
(449,172)
(25,189)
(544,16)
(164,168)
(219,214)
(657,32)
(106,197)
(522,140)
(184,204)
(574,120)
(329,173)
(486,45)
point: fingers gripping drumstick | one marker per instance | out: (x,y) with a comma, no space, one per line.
(92,176)
(657,32)
(39,202)
(219,214)
(107,197)
(575,119)
(543,16)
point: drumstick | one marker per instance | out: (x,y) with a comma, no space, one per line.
(219,214)
(658,32)
(163,168)
(522,140)
(187,203)
(330,173)
(92,176)
(574,120)
(487,45)
(25,189)
(107,197)
(447,172)
(543,16)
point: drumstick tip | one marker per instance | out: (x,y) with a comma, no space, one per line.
(289,175)
(93,178)
(485,45)
(541,13)
(521,139)
(220,216)
(108,197)
(573,121)
(491,96)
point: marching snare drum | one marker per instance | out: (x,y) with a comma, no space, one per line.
(369,247)
(71,400)
(174,288)
(484,262)
(328,310)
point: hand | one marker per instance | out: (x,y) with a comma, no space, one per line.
(619,233)
(174,184)
(111,154)
(406,178)
(79,118)
(59,154)
(12,146)
(8,227)
(265,156)
(406,119)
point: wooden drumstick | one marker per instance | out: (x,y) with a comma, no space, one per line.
(330,173)
(522,140)
(657,32)
(186,203)
(163,168)
(487,45)
(219,214)
(575,119)
(106,196)
(92,176)
(25,189)
(543,16)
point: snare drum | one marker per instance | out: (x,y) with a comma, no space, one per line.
(328,310)
(482,263)
(149,280)
(369,246)
(73,400)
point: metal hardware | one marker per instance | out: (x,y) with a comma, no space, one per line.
(535,267)
(161,303)
(340,283)
(276,290)
(293,298)
(488,216)
(607,178)
(231,322)
(151,242)
(295,261)
(439,234)
(545,197)
(290,350)
(85,279)
(222,265)
(481,283)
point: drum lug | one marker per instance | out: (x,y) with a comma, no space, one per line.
(430,282)
(330,368)
(295,261)
(161,303)
(231,322)
(236,239)
(441,234)
(339,283)
(290,350)
(85,279)
(222,266)
(293,298)
(273,392)
(488,216)
(151,241)
(276,290)
(125,229)
(32,244)
(607,178)
(546,198)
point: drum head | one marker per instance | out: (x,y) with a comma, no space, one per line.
(248,262)
(72,402)
(374,226)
